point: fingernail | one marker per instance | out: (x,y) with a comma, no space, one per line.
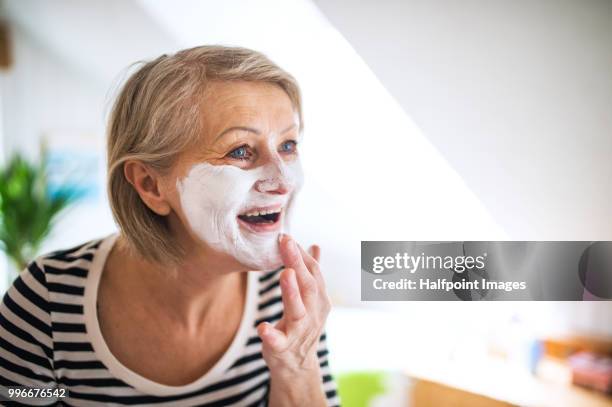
(292,245)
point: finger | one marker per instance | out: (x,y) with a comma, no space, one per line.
(271,337)
(313,266)
(309,260)
(293,258)
(293,306)
(315,252)
(289,252)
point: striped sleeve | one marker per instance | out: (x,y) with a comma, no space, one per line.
(26,344)
(328,380)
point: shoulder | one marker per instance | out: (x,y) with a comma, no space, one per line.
(52,283)
(83,251)
(81,254)
(41,312)
(49,270)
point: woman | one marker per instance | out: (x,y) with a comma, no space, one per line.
(203,169)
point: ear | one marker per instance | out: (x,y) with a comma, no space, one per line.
(147,184)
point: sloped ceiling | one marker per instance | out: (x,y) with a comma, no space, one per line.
(516,96)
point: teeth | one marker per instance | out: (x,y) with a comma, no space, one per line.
(259,213)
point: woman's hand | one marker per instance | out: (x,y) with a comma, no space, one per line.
(290,346)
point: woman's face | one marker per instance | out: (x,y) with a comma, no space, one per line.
(232,194)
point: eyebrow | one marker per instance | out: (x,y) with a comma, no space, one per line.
(249,129)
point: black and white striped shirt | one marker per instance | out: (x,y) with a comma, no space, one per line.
(50,336)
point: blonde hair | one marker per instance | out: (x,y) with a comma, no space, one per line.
(155,117)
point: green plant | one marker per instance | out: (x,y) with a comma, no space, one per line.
(358,389)
(28,208)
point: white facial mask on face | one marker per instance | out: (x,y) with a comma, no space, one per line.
(212,196)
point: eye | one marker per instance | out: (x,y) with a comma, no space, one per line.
(288,147)
(240,153)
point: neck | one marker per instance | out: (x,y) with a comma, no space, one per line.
(188,297)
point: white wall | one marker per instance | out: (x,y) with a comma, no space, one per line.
(46,97)
(69,58)
(43,94)
(517,96)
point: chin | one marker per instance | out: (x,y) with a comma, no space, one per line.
(261,255)
(266,264)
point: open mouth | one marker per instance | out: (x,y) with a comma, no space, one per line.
(261,216)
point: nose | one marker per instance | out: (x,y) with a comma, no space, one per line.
(274,186)
(278,177)
(274,179)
